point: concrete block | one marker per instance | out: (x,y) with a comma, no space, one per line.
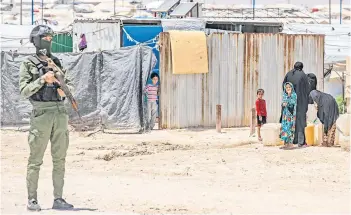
(344,143)
(318,134)
(343,123)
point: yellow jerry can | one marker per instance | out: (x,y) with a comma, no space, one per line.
(309,134)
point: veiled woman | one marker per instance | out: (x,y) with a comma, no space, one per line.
(302,88)
(327,113)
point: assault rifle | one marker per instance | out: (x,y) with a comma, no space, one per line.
(59,75)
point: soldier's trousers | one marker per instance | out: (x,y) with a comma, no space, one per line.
(49,121)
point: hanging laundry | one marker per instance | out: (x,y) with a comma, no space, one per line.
(83,43)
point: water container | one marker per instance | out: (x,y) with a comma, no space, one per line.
(345,142)
(343,124)
(309,134)
(270,134)
(318,134)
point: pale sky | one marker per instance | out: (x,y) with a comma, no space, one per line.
(295,2)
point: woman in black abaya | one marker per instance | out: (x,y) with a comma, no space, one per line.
(302,88)
(327,113)
(312,80)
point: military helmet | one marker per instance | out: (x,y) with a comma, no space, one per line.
(37,34)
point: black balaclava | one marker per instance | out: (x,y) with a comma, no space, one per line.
(43,47)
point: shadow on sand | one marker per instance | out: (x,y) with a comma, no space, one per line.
(73,209)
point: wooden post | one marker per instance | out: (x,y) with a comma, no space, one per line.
(218,118)
(253,121)
(159,106)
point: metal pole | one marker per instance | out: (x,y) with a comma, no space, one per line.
(32,12)
(21,13)
(329,11)
(340,12)
(114,7)
(253,8)
(343,92)
(73,9)
(42,12)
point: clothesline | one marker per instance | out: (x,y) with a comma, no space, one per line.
(153,41)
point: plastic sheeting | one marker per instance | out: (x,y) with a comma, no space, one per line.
(108,84)
(135,34)
(183,24)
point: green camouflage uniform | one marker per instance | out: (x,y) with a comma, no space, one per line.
(49,121)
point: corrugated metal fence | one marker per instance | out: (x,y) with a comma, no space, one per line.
(239,64)
(62,43)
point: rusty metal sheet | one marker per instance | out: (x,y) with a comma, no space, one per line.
(225,79)
(239,64)
(182,95)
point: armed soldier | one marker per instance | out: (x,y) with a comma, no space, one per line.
(49,119)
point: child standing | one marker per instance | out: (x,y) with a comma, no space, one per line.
(152,92)
(261,112)
(288,116)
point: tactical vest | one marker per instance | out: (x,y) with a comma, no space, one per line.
(48,93)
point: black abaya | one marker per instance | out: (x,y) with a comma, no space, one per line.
(312,79)
(302,88)
(328,110)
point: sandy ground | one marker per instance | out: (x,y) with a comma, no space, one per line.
(182,172)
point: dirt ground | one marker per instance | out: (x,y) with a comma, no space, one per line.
(181,172)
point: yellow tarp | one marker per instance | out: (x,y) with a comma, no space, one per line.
(189,52)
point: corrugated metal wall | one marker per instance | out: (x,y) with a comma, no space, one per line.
(246,27)
(100,35)
(62,43)
(239,65)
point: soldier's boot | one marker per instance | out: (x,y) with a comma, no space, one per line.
(33,205)
(61,204)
